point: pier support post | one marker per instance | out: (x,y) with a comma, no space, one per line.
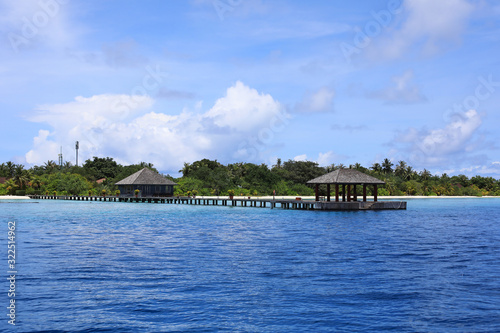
(348,193)
(364,192)
(355,193)
(375,192)
(337,192)
(343,192)
(316,188)
(328,192)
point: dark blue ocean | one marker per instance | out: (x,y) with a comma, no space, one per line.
(123,267)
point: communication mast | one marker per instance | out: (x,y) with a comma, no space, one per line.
(61,159)
(77,146)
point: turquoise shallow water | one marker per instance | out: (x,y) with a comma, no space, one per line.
(121,267)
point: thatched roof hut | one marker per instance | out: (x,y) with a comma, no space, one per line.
(346,177)
(148,182)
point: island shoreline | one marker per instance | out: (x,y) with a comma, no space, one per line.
(279,197)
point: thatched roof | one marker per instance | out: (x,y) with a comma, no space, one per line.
(145,177)
(346,176)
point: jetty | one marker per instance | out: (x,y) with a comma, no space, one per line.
(154,188)
(296,204)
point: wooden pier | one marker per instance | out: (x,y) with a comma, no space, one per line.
(297,204)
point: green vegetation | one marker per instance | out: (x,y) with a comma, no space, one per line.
(207,177)
(290,178)
(50,178)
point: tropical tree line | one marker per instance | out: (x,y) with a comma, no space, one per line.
(209,177)
(96,176)
(289,178)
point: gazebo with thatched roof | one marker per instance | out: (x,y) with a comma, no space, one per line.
(346,178)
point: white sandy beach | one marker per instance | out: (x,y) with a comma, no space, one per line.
(13,197)
(333,197)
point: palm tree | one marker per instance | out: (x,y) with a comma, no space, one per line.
(146,165)
(331,167)
(357,166)
(22,178)
(18,169)
(401,169)
(4,171)
(67,165)
(389,185)
(185,170)
(376,167)
(409,173)
(10,185)
(50,166)
(425,174)
(278,164)
(35,182)
(387,166)
(11,169)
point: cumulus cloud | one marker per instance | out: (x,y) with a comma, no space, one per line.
(490,169)
(318,101)
(243,109)
(402,92)
(328,158)
(42,148)
(323,159)
(130,130)
(432,25)
(300,158)
(442,146)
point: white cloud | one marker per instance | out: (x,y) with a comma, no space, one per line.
(443,146)
(318,101)
(403,91)
(300,158)
(489,170)
(433,25)
(454,136)
(42,148)
(325,159)
(242,109)
(92,111)
(126,128)
(329,158)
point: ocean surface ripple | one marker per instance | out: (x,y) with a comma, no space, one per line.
(120,267)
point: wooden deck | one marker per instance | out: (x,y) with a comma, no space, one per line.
(251,202)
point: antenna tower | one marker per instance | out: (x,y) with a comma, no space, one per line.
(61,159)
(77,146)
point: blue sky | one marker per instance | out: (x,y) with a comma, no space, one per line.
(175,81)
